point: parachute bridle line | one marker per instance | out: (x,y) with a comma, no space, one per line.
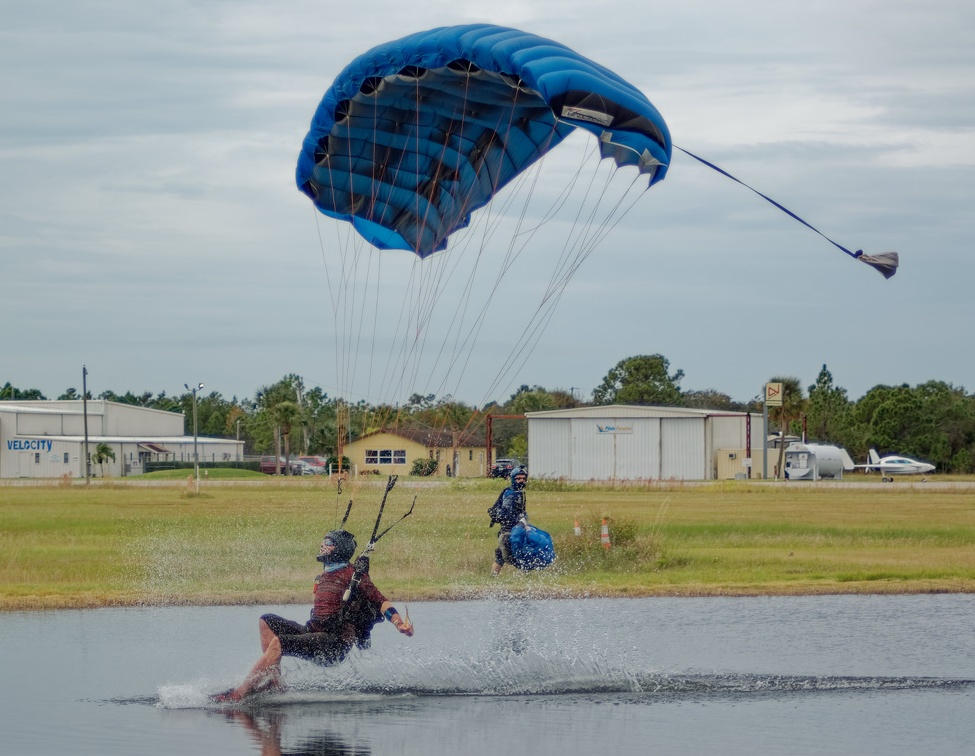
(886,263)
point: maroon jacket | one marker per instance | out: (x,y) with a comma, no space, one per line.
(329,589)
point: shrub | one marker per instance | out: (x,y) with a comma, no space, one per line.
(424,467)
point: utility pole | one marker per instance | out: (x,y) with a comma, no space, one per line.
(84,406)
(196,456)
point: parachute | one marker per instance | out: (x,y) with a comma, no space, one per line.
(531,547)
(417,134)
(433,145)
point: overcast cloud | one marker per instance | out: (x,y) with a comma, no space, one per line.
(150,227)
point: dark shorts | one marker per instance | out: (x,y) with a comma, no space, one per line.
(301,641)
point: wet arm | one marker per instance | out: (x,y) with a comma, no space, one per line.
(389,611)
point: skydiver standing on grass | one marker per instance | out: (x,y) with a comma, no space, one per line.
(334,628)
(507,511)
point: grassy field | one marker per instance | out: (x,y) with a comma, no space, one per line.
(254,540)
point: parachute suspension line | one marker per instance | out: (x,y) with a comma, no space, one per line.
(460,341)
(423,286)
(399,345)
(516,246)
(579,239)
(443,274)
(364,286)
(425,295)
(588,240)
(886,263)
(420,296)
(338,294)
(593,235)
(375,313)
(518,243)
(341,309)
(464,343)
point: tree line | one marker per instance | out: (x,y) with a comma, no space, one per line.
(934,421)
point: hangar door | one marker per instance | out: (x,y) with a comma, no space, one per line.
(682,449)
(637,448)
(614,449)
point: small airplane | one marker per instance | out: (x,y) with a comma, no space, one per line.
(894,465)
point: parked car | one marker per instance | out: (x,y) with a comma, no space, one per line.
(270,467)
(502,467)
(317,463)
(306,468)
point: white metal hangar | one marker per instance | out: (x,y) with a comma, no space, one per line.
(46,439)
(624,442)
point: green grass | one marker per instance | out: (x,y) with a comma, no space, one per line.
(253,540)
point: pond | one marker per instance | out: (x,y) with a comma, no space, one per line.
(808,675)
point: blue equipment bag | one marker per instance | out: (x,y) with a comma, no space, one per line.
(531,548)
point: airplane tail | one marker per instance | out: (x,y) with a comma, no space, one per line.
(873,458)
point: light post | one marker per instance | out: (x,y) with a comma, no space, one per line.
(84,405)
(196,456)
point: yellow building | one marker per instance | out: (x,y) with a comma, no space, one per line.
(393,452)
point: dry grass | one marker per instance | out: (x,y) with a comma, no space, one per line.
(255,542)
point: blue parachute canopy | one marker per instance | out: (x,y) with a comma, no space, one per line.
(531,547)
(417,134)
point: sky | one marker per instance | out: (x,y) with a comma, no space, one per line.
(151,230)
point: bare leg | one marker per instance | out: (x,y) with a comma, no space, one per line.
(266,672)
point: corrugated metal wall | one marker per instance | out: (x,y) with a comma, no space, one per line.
(591,448)
(550,448)
(683,453)
(613,448)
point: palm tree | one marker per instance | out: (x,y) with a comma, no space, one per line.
(285,415)
(103,453)
(793,406)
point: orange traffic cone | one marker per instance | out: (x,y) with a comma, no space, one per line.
(604,535)
(577,530)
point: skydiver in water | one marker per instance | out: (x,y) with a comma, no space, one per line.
(334,628)
(507,511)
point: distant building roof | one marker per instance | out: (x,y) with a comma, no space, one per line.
(633,411)
(434,439)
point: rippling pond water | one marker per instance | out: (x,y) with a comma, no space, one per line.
(817,675)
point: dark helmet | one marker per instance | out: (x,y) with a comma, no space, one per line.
(515,472)
(337,546)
